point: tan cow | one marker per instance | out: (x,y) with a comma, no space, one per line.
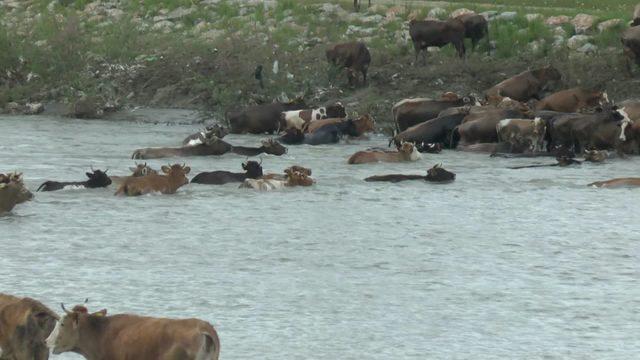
(524,86)
(406,152)
(138,171)
(572,100)
(617,183)
(294,176)
(25,323)
(122,337)
(12,191)
(176,176)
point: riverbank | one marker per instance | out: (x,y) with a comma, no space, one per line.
(92,59)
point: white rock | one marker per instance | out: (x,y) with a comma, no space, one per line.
(33,108)
(557,20)
(460,12)
(116,14)
(164,25)
(577,41)
(588,49)
(609,24)
(583,23)
(507,16)
(534,17)
(437,13)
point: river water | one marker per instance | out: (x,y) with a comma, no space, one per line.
(500,264)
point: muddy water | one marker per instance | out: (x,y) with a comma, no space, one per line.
(500,264)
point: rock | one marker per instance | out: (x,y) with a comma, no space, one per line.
(489,15)
(437,13)
(13,108)
(534,17)
(200,27)
(588,49)
(164,25)
(609,24)
(86,108)
(583,23)
(577,41)
(116,14)
(460,12)
(393,12)
(537,45)
(213,34)
(372,19)
(558,41)
(164,95)
(413,15)
(33,108)
(357,30)
(507,16)
(557,20)
(560,31)
(179,13)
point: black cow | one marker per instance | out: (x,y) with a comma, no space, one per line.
(253,170)
(97,179)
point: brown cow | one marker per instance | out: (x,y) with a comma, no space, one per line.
(572,100)
(176,176)
(12,191)
(425,33)
(524,86)
(365,123)
(410,112)
(631,45)
(522,134)
(354,56)
(406,152)
(480,126)
(25,323)
(121,337)
(211,146)
(436,174)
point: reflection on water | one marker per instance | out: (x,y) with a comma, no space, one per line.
(502,263)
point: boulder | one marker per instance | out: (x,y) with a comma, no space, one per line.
(460,12)
(534,17)
(583,23)
(577,41)
(557,20)
(87,107)
(588,49)
(507,16)
(609,24)
(33,108)
(179,13)
(437,13)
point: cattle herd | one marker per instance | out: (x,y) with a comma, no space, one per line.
(518,117)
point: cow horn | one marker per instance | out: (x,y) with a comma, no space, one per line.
(65,309)
(91,167)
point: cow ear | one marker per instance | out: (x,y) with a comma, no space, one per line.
(165,169)
(186,170)
(244,166)
(89,175)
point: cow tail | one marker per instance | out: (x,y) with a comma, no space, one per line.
(209,349)
(454,139)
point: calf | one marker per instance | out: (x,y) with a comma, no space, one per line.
(298,118)
(617,183)
(406,152)
(139,170)
(354,56)
(253,170)
(201,137)
(97,336)
(522,133)
(269,146)
(438,33)
(293,178)
(524,86)
(436,174)
(25,323)
(97,179)
(572,100)
(12,192)
(176,177)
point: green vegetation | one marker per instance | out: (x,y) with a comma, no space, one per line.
(179,53)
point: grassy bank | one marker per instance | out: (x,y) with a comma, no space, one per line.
(183,53)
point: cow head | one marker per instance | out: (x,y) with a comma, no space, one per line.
(409,151)
(98,179)
(66,334)
(297,178)
(596,156)
(253,169)
(18,191)
(547,73)
(508,103)
(142,170)
(273,147)
(438,174)
(336,110)
(177,171)
(216,130)
(364,124)
(28,324)
(300,169)
(539,127)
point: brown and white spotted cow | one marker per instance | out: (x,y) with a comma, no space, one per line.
(299,118)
